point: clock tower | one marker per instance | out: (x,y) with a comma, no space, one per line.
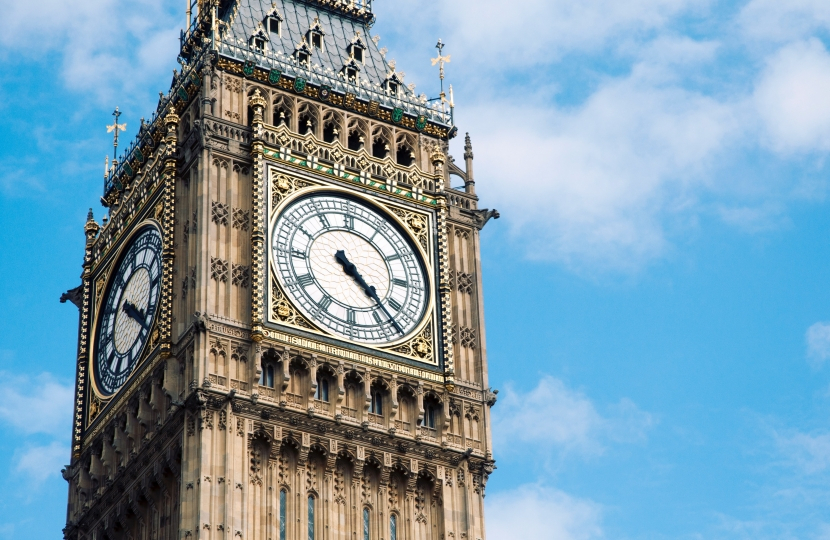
(281,317)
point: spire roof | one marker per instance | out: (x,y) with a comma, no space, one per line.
(245,18)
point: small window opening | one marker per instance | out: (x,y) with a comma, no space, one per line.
(393,88)
(357,53)
(380,149)
(250,116)
(330,133)
(393,527)
(322,392)
(377,403)
(429,418)
(317,40)
(355,141)
(274,26)
(365,524)
(302,57)
(280,117)
(267,378)
(283,502)
(259,43)
(405,156)
(351,74)
(310,517)
(306,125)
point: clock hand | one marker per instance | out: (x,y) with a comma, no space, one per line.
(351,270)
(133,311)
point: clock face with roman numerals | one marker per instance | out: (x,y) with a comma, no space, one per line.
(128,310)
(350,268)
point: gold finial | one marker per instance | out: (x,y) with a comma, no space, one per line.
(116,127)
(441,60)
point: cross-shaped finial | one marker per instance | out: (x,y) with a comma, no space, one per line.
(441,60)
(116,127)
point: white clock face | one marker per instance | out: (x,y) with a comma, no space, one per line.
(349,268)
(128,311)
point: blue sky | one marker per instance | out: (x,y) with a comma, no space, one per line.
(657,289)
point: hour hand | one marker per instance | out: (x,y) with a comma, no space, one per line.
(135,313)
(351,270)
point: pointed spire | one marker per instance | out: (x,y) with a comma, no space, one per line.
(469,181)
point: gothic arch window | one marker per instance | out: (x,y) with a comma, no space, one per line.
(393,527)
(377,402)
(332,125)
(269,376)
(311,504)
(405,150)
(429,416)
(282,107)
(258,40)
(366,528)
(283,502)
(322,392)
(381,139)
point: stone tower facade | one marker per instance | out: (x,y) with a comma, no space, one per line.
(281,320)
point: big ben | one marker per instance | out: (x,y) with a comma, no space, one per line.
(281,316)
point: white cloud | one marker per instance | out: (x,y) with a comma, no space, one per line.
(598,183)
(41,462)
(792,99)
(541,514)
(563,421)
(810,453)
(108,48)
(36,405)
(818,343)
(534,32)
(782,21)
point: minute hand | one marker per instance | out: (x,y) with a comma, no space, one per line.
(351,270)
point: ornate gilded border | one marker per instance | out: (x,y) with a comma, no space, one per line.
(420,345)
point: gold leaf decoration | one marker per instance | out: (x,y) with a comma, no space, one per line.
(416,223)
(420,346)
(283,311)
(282,186)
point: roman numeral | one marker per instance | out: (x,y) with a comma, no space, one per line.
(325,302)
(305,280)
(377,317)
(395,305)
(350,316)
(349,221)
(324,221)
(393,257)
(400,282)
(297,253)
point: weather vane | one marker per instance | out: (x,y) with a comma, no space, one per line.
(441,60)
(116,127)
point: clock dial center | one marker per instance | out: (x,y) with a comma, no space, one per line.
(362,254)
(137,295)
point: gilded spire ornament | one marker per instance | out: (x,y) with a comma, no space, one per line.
(115,128)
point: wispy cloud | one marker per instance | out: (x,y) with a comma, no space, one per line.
(532,511)
(38,463)
(38,404)
(106,48)
(565,422)
(818,343)
(37,408)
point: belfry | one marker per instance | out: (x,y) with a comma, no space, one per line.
(281,331)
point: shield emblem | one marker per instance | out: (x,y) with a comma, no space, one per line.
(182,94)
(138,155)
(325,92)
(274,76)
(128,169)
(299,84)
(421,123)
(194,78)
(397,115)
(248,68)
